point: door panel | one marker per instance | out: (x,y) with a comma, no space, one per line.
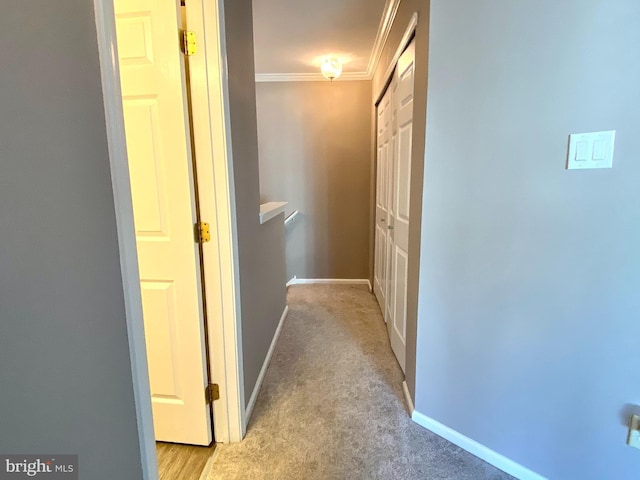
(392,173)
(388,308)
(159,304)
(399,324)
(399,217)
(381,272)
(146,172)
(160,167)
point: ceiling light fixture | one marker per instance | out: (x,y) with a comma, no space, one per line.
(331,68)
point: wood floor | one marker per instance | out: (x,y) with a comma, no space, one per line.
(182,462)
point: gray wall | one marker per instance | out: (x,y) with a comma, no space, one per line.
(65,375)
(315,150)
(405,11)
(529,292)
(260,247)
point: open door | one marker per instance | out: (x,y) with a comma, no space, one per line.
(164,203)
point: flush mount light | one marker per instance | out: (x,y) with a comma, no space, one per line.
(331,68)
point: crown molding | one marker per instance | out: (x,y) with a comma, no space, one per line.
(384,28)
(386,22)
(309,77)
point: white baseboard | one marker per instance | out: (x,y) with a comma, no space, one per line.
(292,281)
(499,461)
(343,281)
(407,398)
(265,365)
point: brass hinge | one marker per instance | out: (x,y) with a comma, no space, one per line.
(202,234)
(212,392)
(189,43)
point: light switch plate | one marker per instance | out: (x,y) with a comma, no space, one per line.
(633,440)
(591,150)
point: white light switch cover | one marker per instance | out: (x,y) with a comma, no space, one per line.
(633,440)
(591,150)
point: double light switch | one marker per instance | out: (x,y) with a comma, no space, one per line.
(591,150)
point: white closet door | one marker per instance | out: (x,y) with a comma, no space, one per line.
(391,187)
(382,200)
(398,220)
(393,181)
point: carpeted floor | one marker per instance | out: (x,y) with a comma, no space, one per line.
(331,405)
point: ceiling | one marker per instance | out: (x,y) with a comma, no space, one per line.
(291,37)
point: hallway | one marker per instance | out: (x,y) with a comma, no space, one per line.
(332,407)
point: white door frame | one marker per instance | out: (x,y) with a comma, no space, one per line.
(209,92)
(212,136)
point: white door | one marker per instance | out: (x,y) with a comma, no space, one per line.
(395,172)
(382,199)
(392,161)
(156,123)
(398,223)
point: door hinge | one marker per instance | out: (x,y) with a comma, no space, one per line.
(201,231)
(212,392)
(189,43)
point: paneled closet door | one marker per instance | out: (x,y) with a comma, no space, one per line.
(380,283)
(395,135)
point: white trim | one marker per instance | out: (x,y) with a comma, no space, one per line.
(407,398)
(209,92)
(270,209)
(116,140)
(386,23)
(309,77)
(343,281)
(265,365)
(406,38)
(499,461)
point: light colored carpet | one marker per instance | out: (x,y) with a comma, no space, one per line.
(331,405)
